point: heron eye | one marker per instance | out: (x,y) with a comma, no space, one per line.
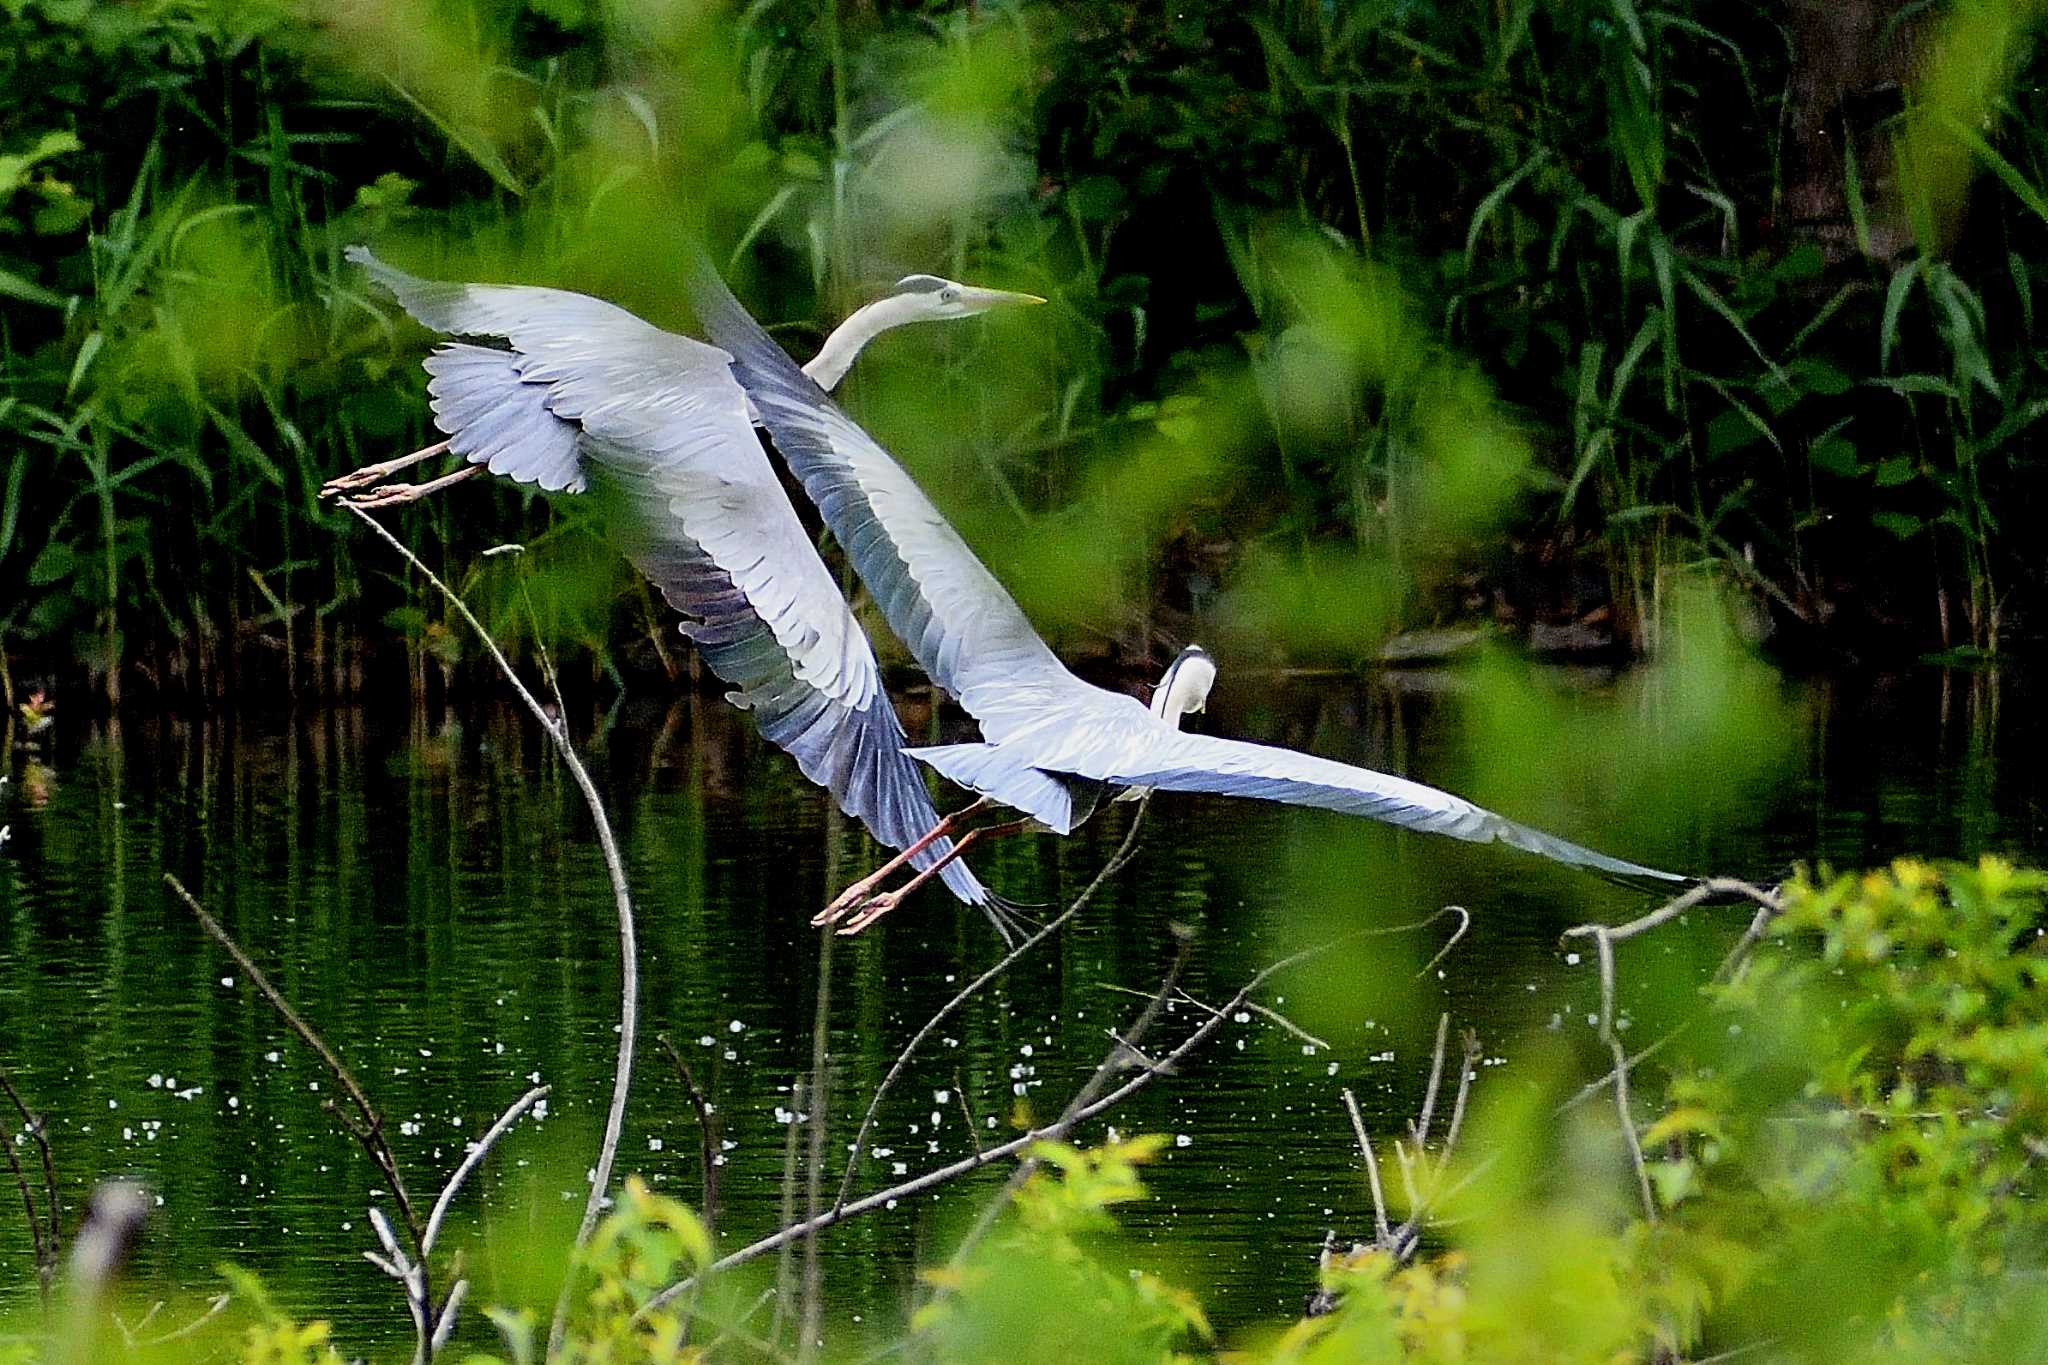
(949,296)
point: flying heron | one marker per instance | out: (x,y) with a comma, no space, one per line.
(580,383)
(577,389)
(1052,746)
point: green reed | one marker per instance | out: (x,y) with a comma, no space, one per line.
(1342,295)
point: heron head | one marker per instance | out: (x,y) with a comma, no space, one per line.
(1185,688)
(932,297)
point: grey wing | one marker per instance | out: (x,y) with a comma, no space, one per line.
(492,418)
(660,417)
(959,622)
(1132,753)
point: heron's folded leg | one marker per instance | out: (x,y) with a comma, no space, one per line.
(877,906)
(378,472)
(861,891)
(393,493)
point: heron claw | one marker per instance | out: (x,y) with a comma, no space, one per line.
(848,901)
(390,495)
(355,478)
(872,910)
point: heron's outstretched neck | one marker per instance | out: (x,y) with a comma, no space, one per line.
(833,360)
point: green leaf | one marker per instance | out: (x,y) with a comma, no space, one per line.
(1894,472)
(21,287)
(1836,455)
(56,563)
(1493,200)
(1901,524)
(1731,431)
(1096,198)
(1894,304)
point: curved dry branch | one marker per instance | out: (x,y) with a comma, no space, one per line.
(629,955)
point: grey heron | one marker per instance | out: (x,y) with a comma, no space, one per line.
(576,388)
(580,383)
(1051,744)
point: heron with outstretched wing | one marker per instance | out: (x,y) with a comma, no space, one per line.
(558,389)
(1051,744)
(577,386)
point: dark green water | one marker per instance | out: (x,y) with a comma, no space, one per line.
(429,894)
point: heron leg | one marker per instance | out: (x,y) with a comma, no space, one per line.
(858,893)
(879,905)
(378,472)
(391,494)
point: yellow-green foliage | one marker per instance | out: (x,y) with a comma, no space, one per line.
(1865,1108)
(1054,1285)
(651,1242)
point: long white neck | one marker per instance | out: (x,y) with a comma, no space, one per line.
(832,361)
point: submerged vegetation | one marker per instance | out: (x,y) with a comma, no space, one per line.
(1369,317)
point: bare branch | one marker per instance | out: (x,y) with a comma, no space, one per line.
(945,1174)
(1420,1128)
(214,1309)
(368,1126)
(707,1131)
(1125,1048)
(1265,1012)
(1672,909)
(477,1152)
(1381,1231)
(1466,1068)
(557,729)
(49,1249)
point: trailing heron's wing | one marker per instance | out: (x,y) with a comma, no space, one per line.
(657,417)
(1120,744)
(962,626)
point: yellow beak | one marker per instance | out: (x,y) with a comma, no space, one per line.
(981,300)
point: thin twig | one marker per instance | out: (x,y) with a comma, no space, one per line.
(1382,1233)
(46,1260)
(1467,1067)
(707,1131)
(540,645)
(966,1113)
(1672,909)
(1126,1047)
(1436,1076)
(1592,1088)
(1605,944)
(629,956)
(1003,964)
(1604,937)
(214,1309)
(367,1127)
(1265,1012)
(477,1152)
(40,1129)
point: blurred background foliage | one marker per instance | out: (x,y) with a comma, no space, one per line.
(1369,318)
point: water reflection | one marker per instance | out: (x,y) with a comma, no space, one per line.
(427,891)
